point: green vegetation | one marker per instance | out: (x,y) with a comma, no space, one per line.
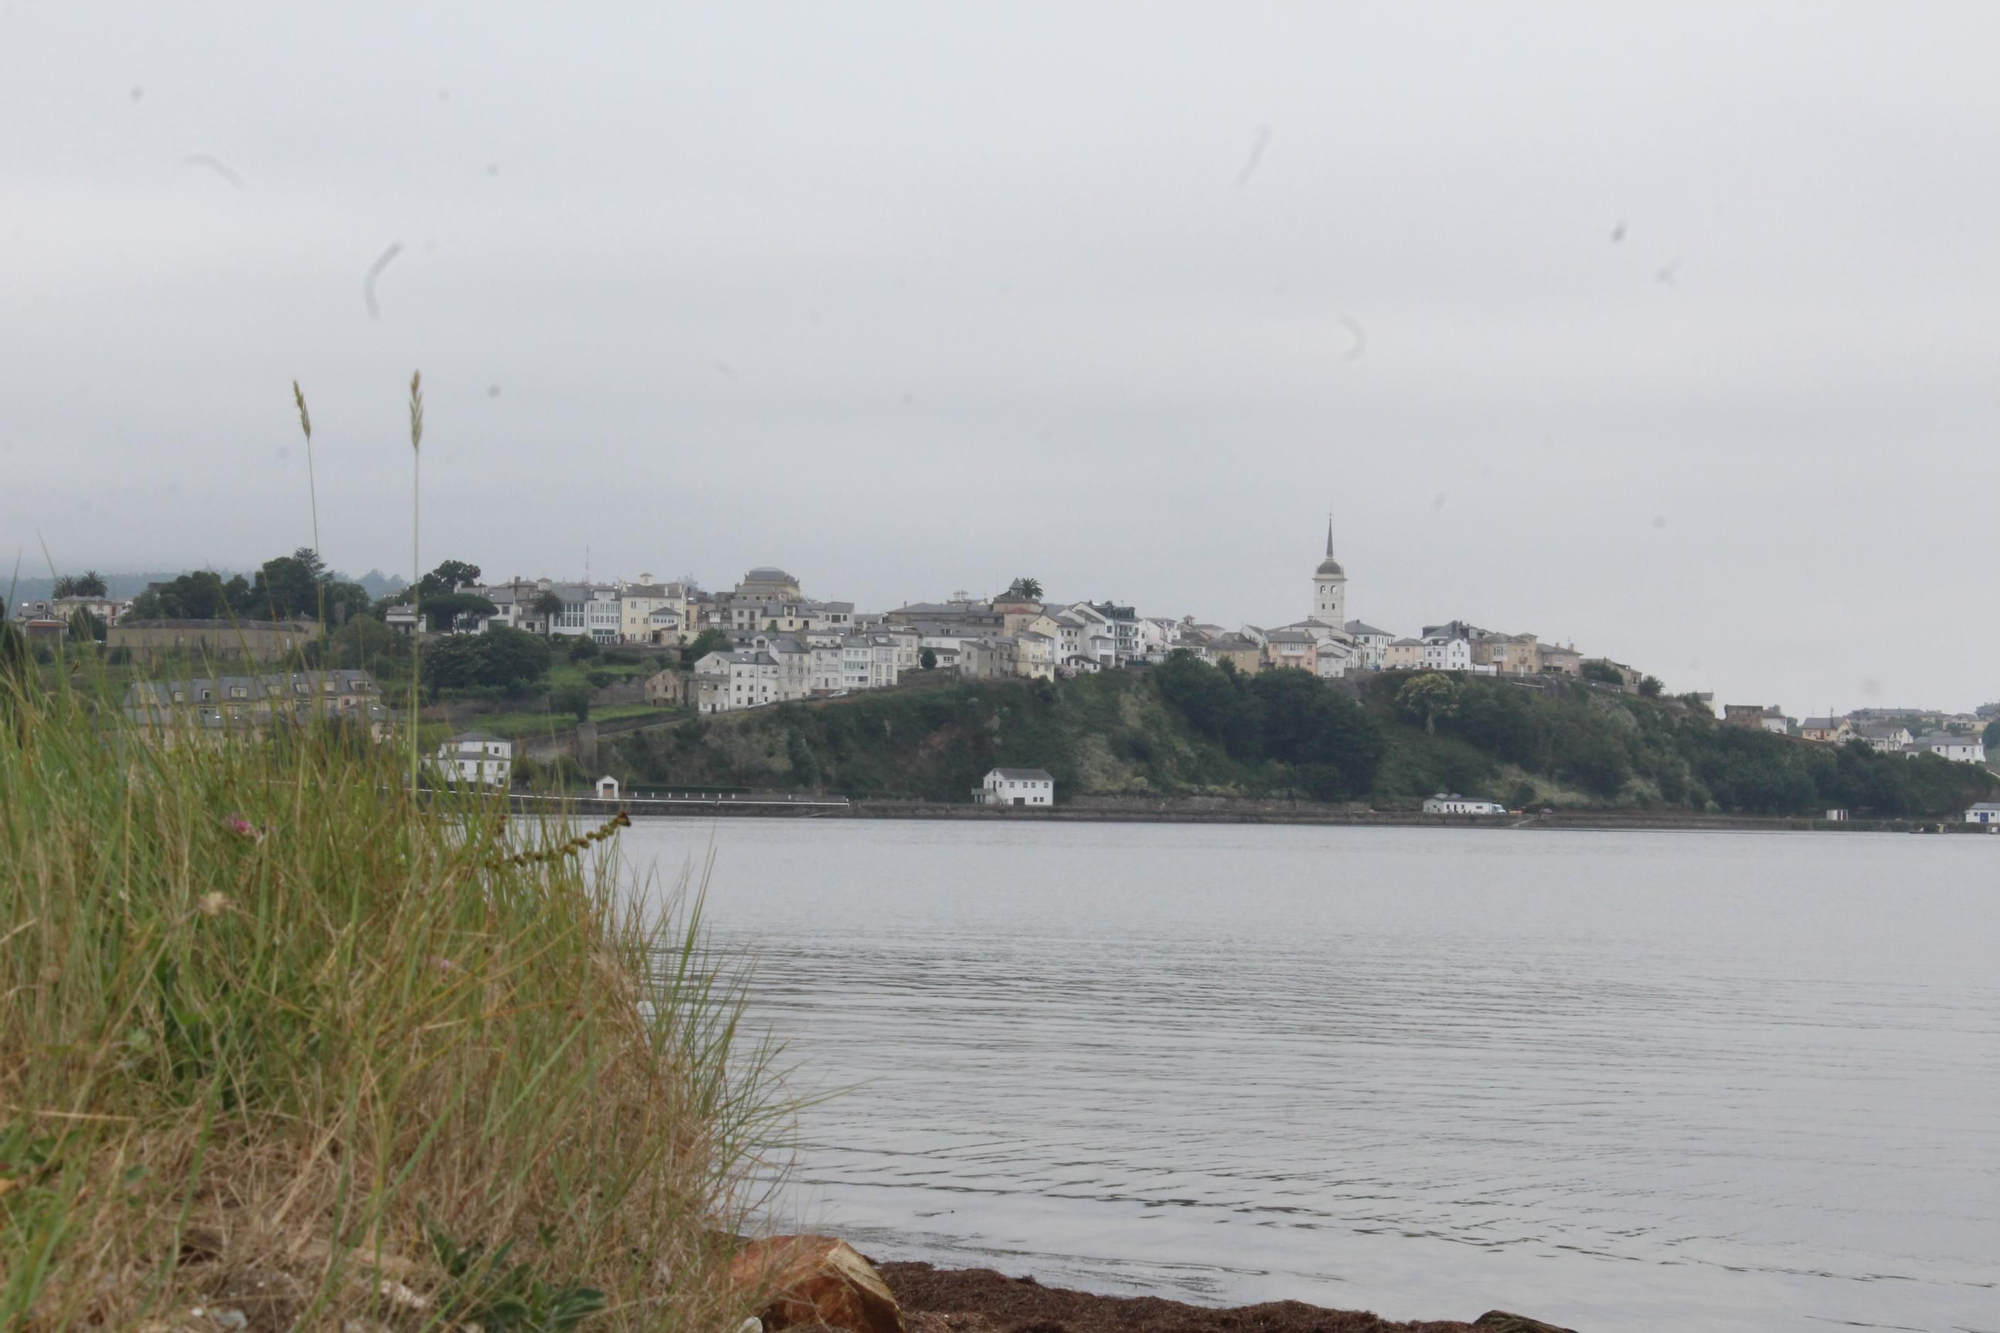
(502,659)
(1190,729)
(288,587)
(706,642)
(1105,733)
(279,1040)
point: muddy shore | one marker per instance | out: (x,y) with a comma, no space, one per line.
(979,1300)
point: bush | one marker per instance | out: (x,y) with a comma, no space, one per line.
(239,1048)
(583,648)
(602,678)
(571,699)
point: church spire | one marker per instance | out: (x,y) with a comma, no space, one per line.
(1329,534)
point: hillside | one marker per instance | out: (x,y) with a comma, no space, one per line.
(1189,729)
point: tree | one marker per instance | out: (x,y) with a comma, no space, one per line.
(287,586)
(85,627)
(1601,767)
(1430,696)
(572,699)
(706,642)
(1603,672)
(448,577)
(366,643)
(582,648)
(90,583)
(501,658)
(345,601)
(444,611)
(547,605)
(1333,746)
(927,659)
(197,596)
(1651,687)
(1991,736)
(1025,589)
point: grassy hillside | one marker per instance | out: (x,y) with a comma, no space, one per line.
(1189,729)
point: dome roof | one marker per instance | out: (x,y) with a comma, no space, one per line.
(767,574)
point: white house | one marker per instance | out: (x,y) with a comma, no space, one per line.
(607,788)
(1454,804)
(1017,786)
(728,681)
(1447,653)
(590,610)
(868,661)
(475,757)
(1887,737)
(1986,812)
(1959,749)
(1370,643)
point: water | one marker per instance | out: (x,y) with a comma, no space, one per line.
(1622,1081)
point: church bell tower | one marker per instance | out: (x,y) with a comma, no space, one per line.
(1330,587)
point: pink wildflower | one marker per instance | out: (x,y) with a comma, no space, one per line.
(243,828)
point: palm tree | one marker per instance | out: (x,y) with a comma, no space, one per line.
(1027,589)
(548,606)
(91,584)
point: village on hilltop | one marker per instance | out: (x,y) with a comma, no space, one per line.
(766,642)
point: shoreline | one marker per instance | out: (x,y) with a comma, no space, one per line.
(982,1300)
(1103,810)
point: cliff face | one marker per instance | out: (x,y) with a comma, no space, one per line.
(1189,729)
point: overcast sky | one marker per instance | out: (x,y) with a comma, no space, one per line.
(1671,335)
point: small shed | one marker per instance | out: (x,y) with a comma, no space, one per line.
(1838,814)
(607,788)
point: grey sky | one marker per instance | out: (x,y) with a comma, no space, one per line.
(916,298)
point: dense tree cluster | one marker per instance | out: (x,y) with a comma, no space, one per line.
(504,659)
(289,587)
(1619,748)
(1330,745)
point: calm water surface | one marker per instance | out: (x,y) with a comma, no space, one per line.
(1622,1081)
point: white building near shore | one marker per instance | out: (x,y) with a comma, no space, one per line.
(1454,804)
(477,758)
(1018,786)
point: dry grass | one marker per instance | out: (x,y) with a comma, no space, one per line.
(277,1040)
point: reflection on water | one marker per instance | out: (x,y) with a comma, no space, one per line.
(1622,1081)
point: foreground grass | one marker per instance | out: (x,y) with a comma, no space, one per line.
(276,1041)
